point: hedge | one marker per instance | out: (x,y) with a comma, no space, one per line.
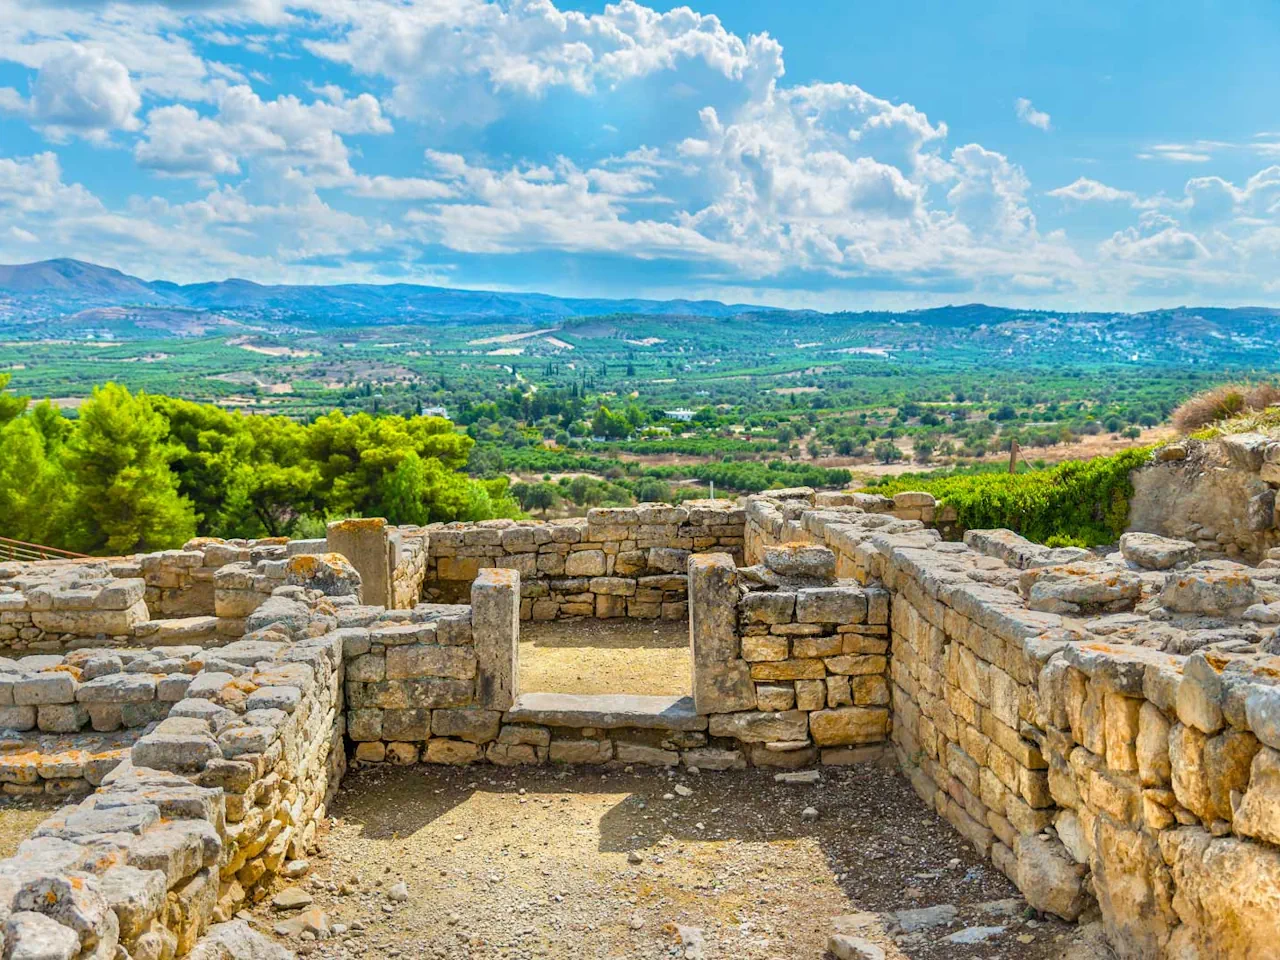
(1077,502)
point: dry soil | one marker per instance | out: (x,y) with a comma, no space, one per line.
(605,656)
(619,864)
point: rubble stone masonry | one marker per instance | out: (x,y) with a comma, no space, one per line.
(1106,729)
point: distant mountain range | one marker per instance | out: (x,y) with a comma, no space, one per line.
(71,298)
(76,284)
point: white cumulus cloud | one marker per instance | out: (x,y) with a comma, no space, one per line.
(1029,115)
(83,92)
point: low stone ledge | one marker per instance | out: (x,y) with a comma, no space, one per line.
(606,711)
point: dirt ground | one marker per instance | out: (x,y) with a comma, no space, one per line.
(605,656)
(19,816)
(613,864)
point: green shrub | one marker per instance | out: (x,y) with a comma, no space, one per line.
(1076,503)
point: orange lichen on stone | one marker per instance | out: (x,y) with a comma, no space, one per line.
(360,523)
(303,564)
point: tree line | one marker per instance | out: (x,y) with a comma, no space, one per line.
(134,472)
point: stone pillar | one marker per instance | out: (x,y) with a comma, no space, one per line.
(721,678)
(364,542)
(495,629)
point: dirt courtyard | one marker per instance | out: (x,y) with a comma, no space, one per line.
(605,656)
(20,815)
(622,864)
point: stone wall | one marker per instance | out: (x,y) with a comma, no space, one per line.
(1219,494)
(615,562)
(1104,730)
(408,565)
(44,605)
(198,596)
(197,810)
(787,660)
(790,667)
(202,811)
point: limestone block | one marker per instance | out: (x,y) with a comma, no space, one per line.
(581,751)
(789,670)
(723,687)
(713,758)
(471,724)
(406,725)
(1120,715)
(761,727)
(848,725)
(668,559)
(1227,761)
(841,605)
(613,586)
(17,718)
(1208,592)
(520,733)
(713,594)
(762,607)
(365,544)
(1152,552)
(793,756)
(804,648)
(402,754)
(1049,877)
(1152,746)
(854,665)
(495,628)
(801,560)
(609,606)
(364,725)
(1228,891)
(869,690)
(367,668)
(838,692)
(1186,761)
(1200,695)
(53,686)
(810,694)
(118,688)
(625,752)
(585,563)
(430,660)
(775,696)
(330,573)
(39,937)
(61,717)
(88,623)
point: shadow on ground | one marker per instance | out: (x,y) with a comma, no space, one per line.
(739,857)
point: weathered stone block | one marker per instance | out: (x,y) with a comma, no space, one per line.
(759,727)
(713,595)
(723,687)
(430,660)
(474,725)
(848,725)
(765,607)
(831,605)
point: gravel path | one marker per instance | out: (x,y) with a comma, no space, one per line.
(605,656)
(449,863)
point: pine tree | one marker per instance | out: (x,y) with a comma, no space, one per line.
(125,496)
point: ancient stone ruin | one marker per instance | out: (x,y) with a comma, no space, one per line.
(1105,729)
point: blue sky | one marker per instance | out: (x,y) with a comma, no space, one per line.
(838,155)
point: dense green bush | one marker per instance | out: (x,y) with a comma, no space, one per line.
(1079,502)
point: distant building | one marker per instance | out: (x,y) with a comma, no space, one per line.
(682,415)
(435,412)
